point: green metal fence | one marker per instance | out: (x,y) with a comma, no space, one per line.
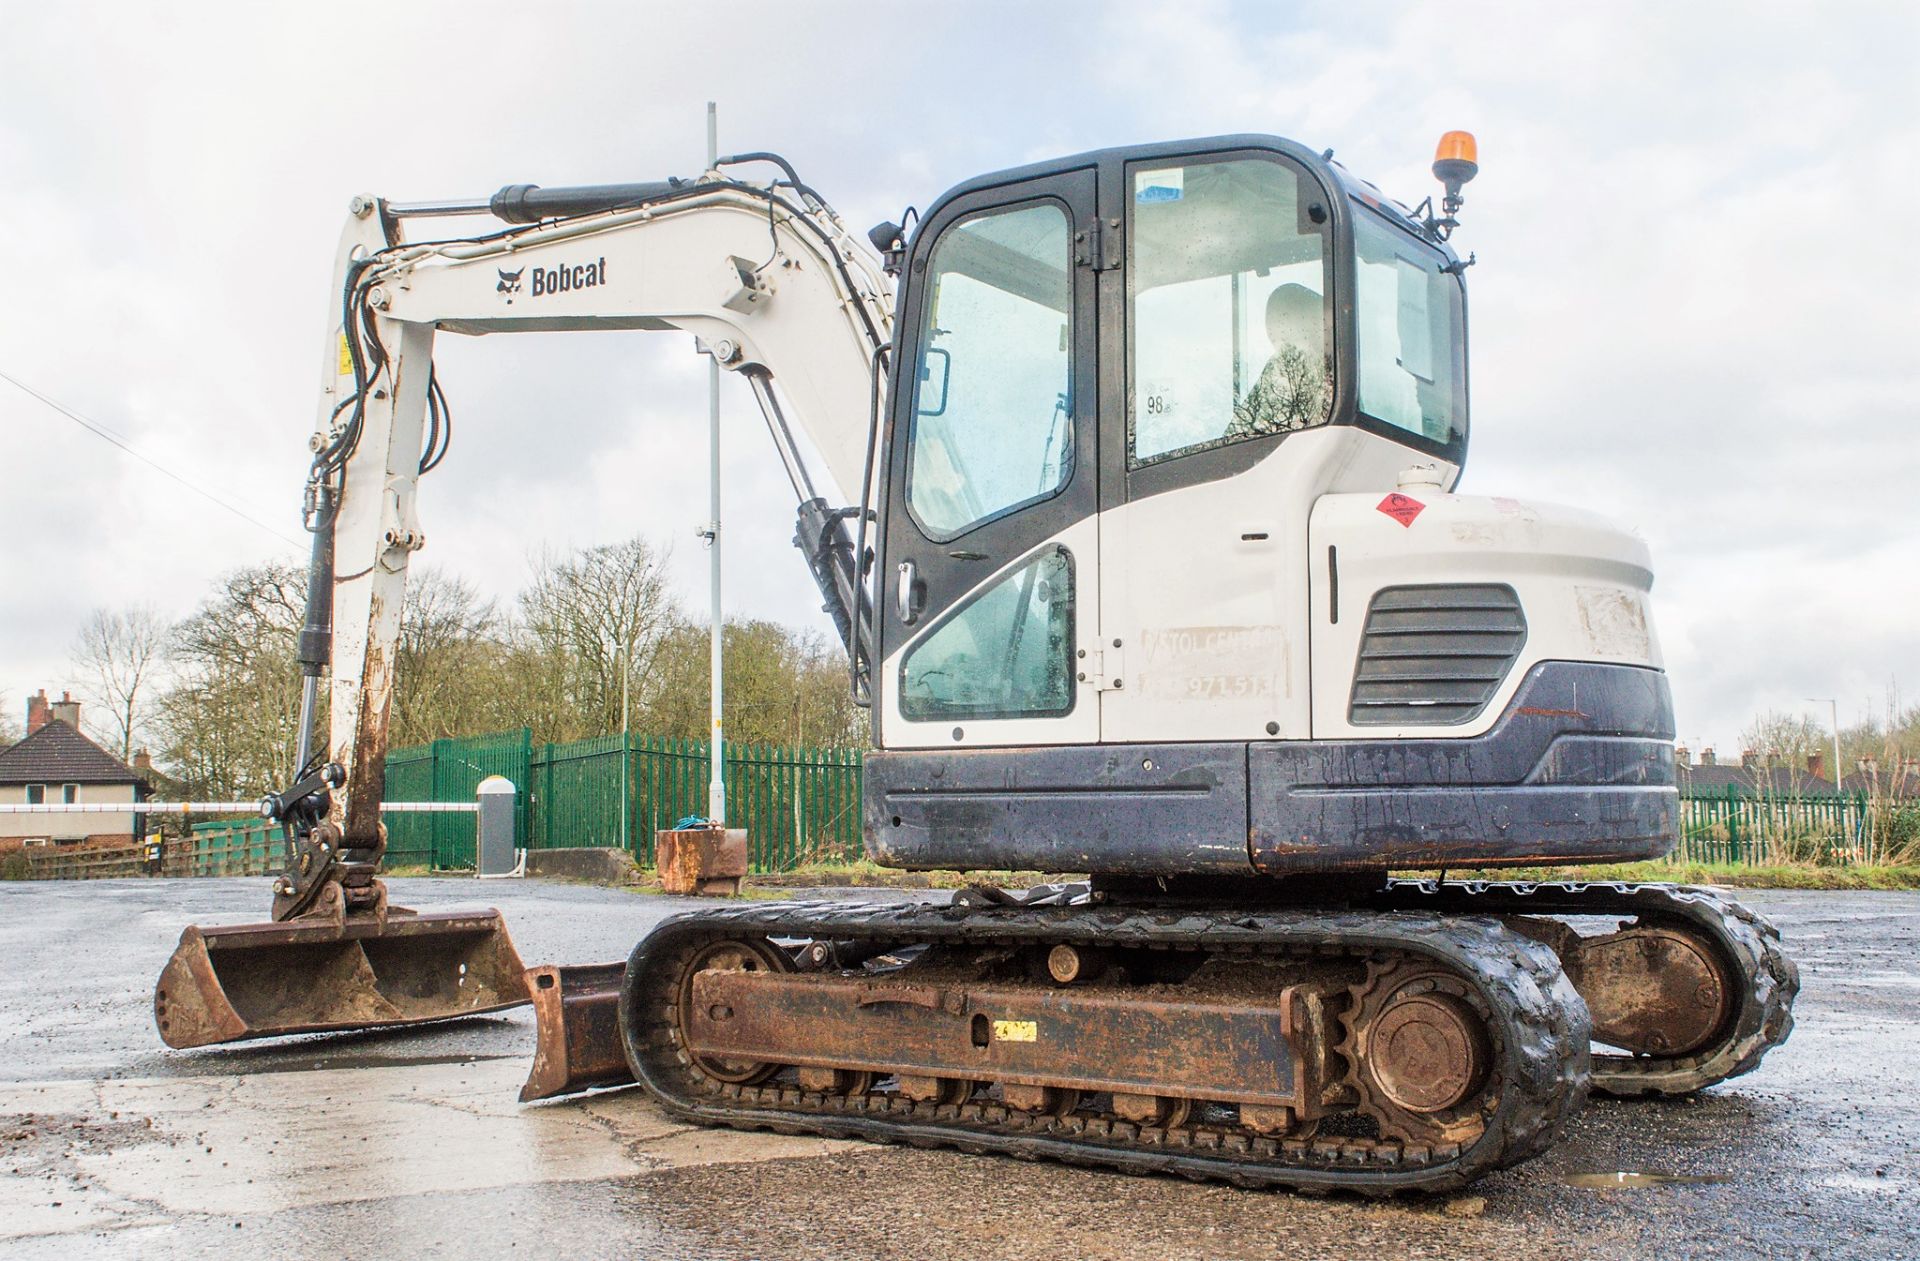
(451,770)
(244,847)
(1739,826)
(797,804)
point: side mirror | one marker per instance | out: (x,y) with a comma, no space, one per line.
(936,368)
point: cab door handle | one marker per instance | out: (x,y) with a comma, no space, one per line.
(909,595)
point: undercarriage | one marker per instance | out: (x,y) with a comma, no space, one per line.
(1413,1039)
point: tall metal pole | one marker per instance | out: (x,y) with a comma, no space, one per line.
(626,743)
(1839,772)
(717,784)
(1833,711)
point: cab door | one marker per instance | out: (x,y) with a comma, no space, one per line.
(988,586)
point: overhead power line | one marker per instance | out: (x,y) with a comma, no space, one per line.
(102,432)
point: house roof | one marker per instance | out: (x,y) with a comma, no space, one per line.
(1772,779)
(1784,781)
(57,754)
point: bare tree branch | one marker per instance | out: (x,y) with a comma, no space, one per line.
(116,654)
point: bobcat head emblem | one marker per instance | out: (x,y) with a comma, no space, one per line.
(509,284)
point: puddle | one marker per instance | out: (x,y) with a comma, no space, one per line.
(1633,1179)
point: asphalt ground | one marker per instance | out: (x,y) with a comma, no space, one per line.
(409,1144)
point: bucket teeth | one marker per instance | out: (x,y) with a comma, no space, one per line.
(231,984)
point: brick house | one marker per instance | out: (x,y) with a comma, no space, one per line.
(55,764)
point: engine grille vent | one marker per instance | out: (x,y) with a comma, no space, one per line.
(1434,655)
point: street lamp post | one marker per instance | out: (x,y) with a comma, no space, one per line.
(626,743)
(717,783)
(1833,715)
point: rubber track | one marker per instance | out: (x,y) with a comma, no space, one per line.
(1540,1034)
(1744,938)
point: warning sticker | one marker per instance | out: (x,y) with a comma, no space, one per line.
(1402,508)
(1016,1031)
(346,357)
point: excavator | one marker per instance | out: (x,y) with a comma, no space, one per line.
(1128,481)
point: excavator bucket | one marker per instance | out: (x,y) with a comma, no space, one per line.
(245,981)
(577,1013)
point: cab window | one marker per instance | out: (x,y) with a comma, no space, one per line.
(1004,654)
(1411,332)
(1227,310)
(993,402)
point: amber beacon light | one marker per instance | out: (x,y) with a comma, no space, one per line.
(1455,161)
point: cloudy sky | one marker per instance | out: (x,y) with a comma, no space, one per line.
(1694,308)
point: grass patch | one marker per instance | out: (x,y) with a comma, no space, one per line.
(1736,875)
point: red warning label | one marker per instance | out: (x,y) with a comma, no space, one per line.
(1402,508)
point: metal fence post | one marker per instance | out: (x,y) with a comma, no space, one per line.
(494,852)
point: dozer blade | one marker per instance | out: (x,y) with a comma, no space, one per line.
(577,1011)
(266,980)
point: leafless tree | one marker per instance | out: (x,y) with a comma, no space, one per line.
(592,617)
(9,728)
(1781,741)
(451,663)
(116,655)
(227,721)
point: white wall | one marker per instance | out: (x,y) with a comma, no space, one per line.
(66,827)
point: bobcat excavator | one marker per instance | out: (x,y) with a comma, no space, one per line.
(1152,569)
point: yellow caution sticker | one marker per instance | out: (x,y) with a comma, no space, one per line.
(1016,1031)
(346,357)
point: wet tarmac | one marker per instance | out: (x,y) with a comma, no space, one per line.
(409,1144)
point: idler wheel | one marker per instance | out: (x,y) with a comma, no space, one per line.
(1417,1054)
(730,956)
(1652,989)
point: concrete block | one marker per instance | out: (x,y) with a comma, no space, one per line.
(709,861)
(592,864)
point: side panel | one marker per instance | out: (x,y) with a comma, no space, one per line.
(1142,809)
(1582,584)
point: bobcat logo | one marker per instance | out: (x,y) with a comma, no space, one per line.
(509,284)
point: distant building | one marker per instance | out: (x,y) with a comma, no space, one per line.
(1758,776)
(55,764)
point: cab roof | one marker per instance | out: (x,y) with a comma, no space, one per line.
(1321,163)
